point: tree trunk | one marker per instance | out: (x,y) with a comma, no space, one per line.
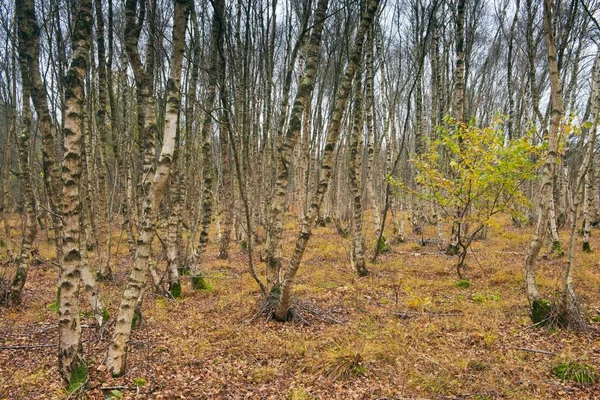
(548,172)
(358,247)
(289,142)
(69,329)
(117,352)
(282,311)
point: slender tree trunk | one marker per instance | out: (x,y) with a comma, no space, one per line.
(548,172)
(69,328)
(104,231)
(217,32)
(371,156)
(358,247)
(459,105)
(52,182)
(30,227)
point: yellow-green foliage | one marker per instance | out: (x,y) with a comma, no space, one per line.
(483,171)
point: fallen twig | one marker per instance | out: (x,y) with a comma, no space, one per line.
(408,314)
(536,351)
(116,388)
(26,346)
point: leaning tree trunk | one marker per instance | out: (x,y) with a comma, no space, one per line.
(117,352)
(548,172)
(30,227)
(69,329)
(52,184)
(282,311)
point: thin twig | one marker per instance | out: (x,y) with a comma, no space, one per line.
(536,351)
(32,346)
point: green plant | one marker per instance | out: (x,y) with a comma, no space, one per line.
(139,382)
(580,373)
(462,283)
(472,175)
(484,297)
(78,378)
(115,394)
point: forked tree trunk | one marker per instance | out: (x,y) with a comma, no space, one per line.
(289,142)
(69,328)
(282,311)
(117,352)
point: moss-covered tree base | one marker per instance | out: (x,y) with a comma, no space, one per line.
(199,283)
(383,245)
(175,289)
(541,312)
(586,247)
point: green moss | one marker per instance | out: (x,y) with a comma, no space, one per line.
(199,283)
(541,312)
(55,306)
(383,245)
(462,283)
(105,315)
(582,374)
(184,270)
(137,319)
(557,249)
(175,289)
(78,377)
(595,318)
(586,247)
(20,277)
(244,245)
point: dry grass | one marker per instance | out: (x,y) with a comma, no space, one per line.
(406,330)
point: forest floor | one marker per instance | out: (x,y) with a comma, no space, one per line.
(405,331)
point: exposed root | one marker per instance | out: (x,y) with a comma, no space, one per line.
(301,312)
